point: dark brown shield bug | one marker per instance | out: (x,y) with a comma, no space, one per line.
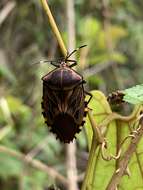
(63,102)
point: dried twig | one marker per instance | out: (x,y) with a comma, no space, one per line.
(123,163)
(37,148)
(71,148)
(35,163)
(71,166)
(97,68)
(6,10)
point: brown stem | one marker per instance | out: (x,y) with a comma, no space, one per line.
(6,11)
(71,148)
(35,163)
(41,145)
(123,163)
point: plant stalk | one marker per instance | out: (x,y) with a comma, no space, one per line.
(54,27)
(87,182)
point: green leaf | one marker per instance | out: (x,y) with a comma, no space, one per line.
(101,170)
(134,95)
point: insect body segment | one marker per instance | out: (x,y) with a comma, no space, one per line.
(63,101)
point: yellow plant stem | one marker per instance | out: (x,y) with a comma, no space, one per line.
(54,27)
(95,128)
(87,182)
(96,140)
(116,116)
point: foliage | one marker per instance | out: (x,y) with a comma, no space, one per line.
(27,38)
(115,131)
(134,95)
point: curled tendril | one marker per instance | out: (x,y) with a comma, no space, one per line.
(117,156)
(111,156)
(104,144)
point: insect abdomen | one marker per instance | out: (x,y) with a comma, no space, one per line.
(64,111)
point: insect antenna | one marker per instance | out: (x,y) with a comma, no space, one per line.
(56,62)
(74,51)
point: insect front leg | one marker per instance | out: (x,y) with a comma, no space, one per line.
(55,63)
(74,63)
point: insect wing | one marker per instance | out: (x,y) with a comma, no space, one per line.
(49,105)
(76,104)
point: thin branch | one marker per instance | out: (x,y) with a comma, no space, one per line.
(35,163)
(137,157)
(71,166)
(6,11)
(139,163)
(41,145)
(123,163)
(54,27)
(97,68)
(71,148)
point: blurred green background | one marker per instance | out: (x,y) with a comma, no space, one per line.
(113,31)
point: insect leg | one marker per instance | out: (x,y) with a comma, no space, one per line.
(68,55)
(83,82)
(55,63)
(88,93)
(73,61)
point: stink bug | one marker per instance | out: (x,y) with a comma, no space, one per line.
(63,102)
